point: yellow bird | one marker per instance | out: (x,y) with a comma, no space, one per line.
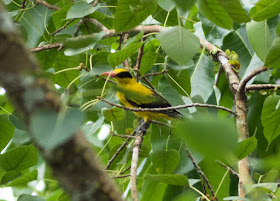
(135,95)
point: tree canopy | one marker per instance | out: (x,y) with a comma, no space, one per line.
(63,127)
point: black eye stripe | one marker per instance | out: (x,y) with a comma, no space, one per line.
(124,75)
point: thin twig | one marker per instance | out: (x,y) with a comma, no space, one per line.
(95,3)
(121,176)
(154,74)
(245,80)
(169,108)
(125,136)
(23,4)
(125,38)
(78,27)
(47,5)
(228,168)
(120,42)
(138,61)
(63,27)
(203,176)
(96,23)
(58,45)
(126,170)
(262,86)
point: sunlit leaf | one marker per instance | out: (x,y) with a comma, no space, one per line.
(25,197)
(266,9)
(24,179)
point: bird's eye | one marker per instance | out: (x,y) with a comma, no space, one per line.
(124,75)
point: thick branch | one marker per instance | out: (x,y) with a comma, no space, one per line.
(73,163)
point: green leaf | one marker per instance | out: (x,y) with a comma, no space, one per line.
(273,57)
(173,179)
(34,21)
(117,58)
(165,161)
(60,15)
(147,62)
(11,175)
(130,13)
(6,131)
(260,39)
(24,179)
(19,158)
(58,129)
(271,117)
(277,30)
(81,44)
(202,79)
(184,5)
(267,187)
(182,77)
(113,114)
(213,10)
(179,44)
(235,10)
(246,147)
(25,197)
(17,120)
(266,9)
(119,156)
(167,5)
(80,9)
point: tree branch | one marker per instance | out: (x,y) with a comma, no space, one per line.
(138,61)
(63,27)
(168,108)
(73,163)
(245,80)
(47,5)
(57,45)
(262,86)
(203,176)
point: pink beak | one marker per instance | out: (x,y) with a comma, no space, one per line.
(111,74)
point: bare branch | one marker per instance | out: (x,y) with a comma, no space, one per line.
(96,23)
(47,5)
(262,86)
(121,176)
(245,80)
(154,74)
(76,32)
(138,61)
(169,108)
(203,176)
(228,168)
(57,45)
(95,3)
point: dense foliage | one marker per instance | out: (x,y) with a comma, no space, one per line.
(179,68)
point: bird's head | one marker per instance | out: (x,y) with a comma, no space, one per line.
(122,76)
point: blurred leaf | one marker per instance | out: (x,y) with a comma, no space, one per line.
(270,117)
(184,5)
(260,39)
(215,13)
(272,59)
(173,179)
(114,114)
(246,147)
(207,136)
(130,13)
(64,197)
(25,197)
(24,179)
(58,129)
(81,44)
(6,131)
(19,158)
(80,9)
(148,61)
(117,58)
(202,78)
(235,10)
(179,44)
(266,9)
(9,176)
(17,120)
(165,161)
(166,5)
(267,187)
(236,198)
